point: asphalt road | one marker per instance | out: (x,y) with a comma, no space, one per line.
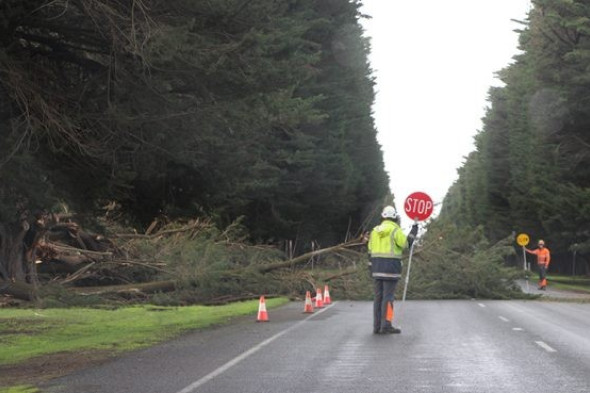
(445,346)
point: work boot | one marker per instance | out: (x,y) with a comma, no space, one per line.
(390,330)
(376,330)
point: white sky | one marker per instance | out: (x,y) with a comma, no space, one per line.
(434,62)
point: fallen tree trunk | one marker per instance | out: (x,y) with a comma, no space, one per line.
(60,248)
(236,298)
(304,258)
(341,274)
(18,289)
(148,287)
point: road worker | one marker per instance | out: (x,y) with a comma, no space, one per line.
(543,259)
(386,243)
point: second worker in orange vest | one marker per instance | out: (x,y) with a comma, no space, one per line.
(543,259)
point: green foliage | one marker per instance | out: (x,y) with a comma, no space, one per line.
(459,262)
(228,109)
(530,172)
(207,263)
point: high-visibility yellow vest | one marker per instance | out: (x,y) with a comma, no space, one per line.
(387,240)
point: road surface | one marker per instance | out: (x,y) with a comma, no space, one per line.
(446,346)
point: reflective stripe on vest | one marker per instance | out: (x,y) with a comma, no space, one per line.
(386,275)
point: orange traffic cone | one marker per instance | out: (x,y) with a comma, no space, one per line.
(319,303)
(308,306)
(390,313)
(327,299)
(262,314)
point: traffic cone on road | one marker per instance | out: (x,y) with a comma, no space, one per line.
(262,314)
(327,299)
(308,306)
(390,313)
(319,303)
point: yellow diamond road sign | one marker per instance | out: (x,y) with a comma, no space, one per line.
(522,239)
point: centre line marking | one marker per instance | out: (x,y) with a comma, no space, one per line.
(481,305)
(199,382)
(503,319)
(545,346)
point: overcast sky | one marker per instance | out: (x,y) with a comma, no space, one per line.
(434,62)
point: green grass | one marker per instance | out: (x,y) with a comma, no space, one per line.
(25,334)
(578,284)
(19,389)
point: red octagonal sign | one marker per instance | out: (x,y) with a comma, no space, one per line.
(418,206)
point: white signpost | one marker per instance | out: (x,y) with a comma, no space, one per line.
(522,240)
(418,206)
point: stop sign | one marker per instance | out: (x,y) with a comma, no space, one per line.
(418,206)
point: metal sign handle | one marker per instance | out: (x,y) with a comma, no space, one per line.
(406,280)
(526,275)
(408,272)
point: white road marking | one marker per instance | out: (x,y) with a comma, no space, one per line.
(481,305)
(504,318)
(191,388)
(545,346)
(518,329)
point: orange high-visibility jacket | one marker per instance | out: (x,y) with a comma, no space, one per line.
(543,255)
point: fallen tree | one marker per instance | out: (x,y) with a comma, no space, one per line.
(47,250)
(304,258)
(188,257)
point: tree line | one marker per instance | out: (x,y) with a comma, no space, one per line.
(530,171)
(232,109)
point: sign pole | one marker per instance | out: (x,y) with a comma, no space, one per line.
(418,206)
(526,274)
(407,280)
(408,272)
(522,240)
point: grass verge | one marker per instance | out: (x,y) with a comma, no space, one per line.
(19,389)
(569,283)
(27,334)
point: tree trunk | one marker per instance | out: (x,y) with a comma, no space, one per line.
(148,287)
(304,258)
(12,253)
(18,290)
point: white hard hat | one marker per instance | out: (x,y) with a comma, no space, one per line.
(389,212)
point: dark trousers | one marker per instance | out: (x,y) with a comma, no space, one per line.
(384,291)
(542,272)
(542,276)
